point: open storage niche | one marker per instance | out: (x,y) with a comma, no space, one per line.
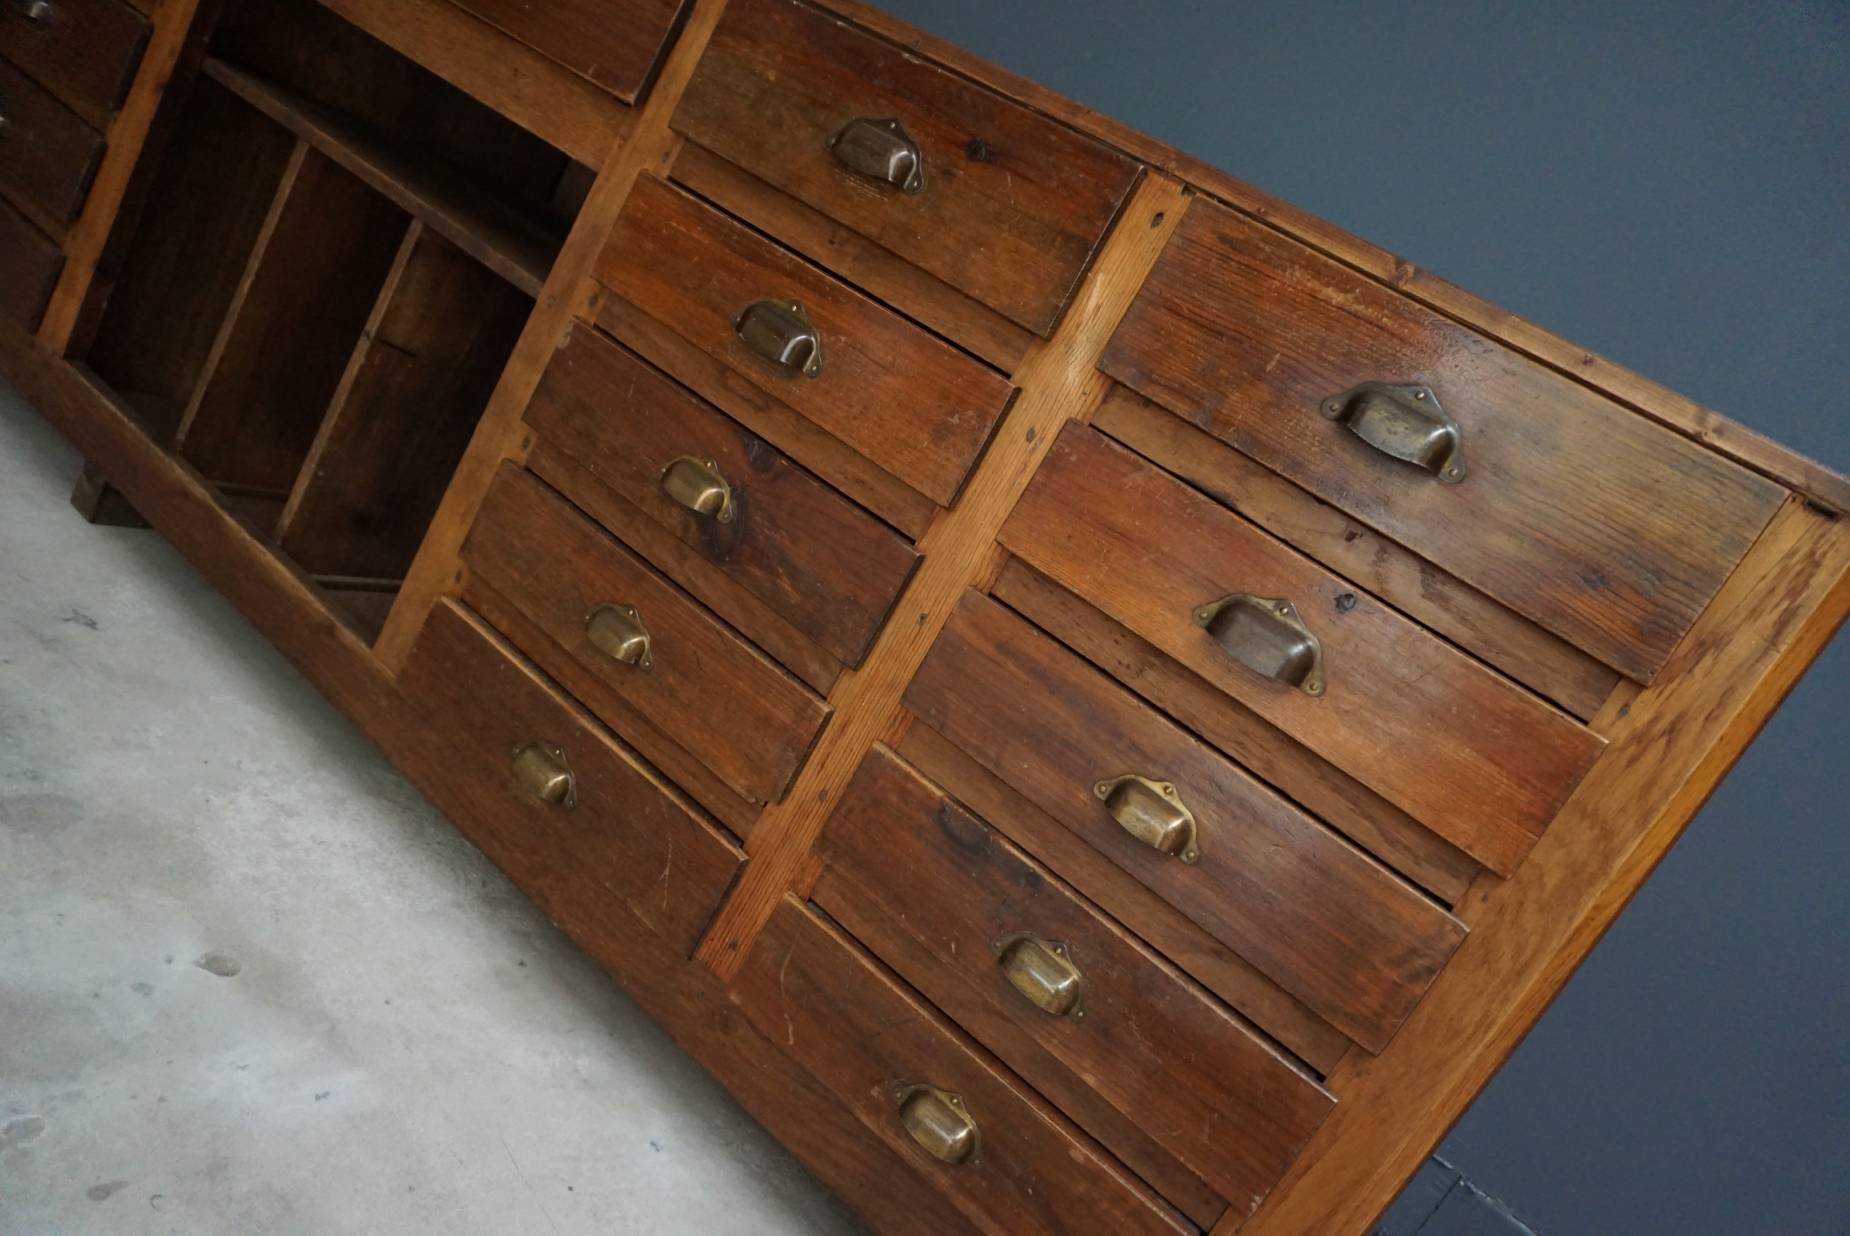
(337,257)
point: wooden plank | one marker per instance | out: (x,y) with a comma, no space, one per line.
(47,154)
(616,43)
(83,51)
(1593,522)
(29,266)
(1059,377)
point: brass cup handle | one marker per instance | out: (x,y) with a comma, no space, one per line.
(35,11)
(1152,812)
(1044,973)
(618,633)
(543,774)
(697,485)
(1405,423)
(937,1120)
(880,150)
(1267,636)
(779,331)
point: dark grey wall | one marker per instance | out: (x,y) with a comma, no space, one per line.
(1667,183)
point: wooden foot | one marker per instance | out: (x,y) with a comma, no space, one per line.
(100,503)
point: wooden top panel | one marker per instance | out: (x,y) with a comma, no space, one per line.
(615,43)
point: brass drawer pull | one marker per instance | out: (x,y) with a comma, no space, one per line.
(697,485)
(1153,813)
(1266,635)
(1044,973)
(937,1121)
(1404,422)
(779,331)
(618,633)
(544,775)
(880,150)
(38,12)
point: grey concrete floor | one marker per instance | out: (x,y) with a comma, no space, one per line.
(251,982)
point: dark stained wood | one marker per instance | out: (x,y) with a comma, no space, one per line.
(1596,524)
(860,1035)
(709,691)
(1550,665)
(1344,803)
(1013,204)
(1188,1096)
(29,266)
(364,609)
(1475,758)
(628,835)
(906,400)
(1324,921)
(313,278)
(827,567)
(101,503)
(616,43)
(47,154)
(83,51)
(404,412)
(208,204)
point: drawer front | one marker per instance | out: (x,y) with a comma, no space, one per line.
(618,44)
(909,402)
(696,682)
(1007,205)
(84,51)
(1324,922)
(1472,756)
(971,1131)
(810,555)
(547,794)
(1601,526)
(47,154)
(29,266)
(1179,1089)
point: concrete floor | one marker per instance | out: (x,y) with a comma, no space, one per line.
(250,982)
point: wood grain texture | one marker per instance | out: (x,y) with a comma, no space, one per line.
(29,266)
(861,1035)
(1320,919)
(1013,205)
(1185,1094)
(908,401)
(1596,524)
(615,43)
(1475,758)
(1058,377)
(1512,643)
(708,690)
(84,51)
(47,154)
(1347,805)
(810,555)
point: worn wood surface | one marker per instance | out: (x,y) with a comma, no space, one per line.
(1347,805)
(47,154)
(814,558)
(1012,205)
(1187,1095)
(1481,762)
(1493,633)
(860,1034)
(1595,523)
(909,402)
(84,51)
(615,43)
(29,266)
(708,690)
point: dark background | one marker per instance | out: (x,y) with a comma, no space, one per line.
(1667,184)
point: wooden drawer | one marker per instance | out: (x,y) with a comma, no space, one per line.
(812,557)
(695,681)
(608,828)
(84,51)
(1460,748)
(1008,206)
(1601,526)
(904,399)
(29,266)
(1187,1095)
(1322,920)
(618,44)
(47,154)
(1012,1165)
